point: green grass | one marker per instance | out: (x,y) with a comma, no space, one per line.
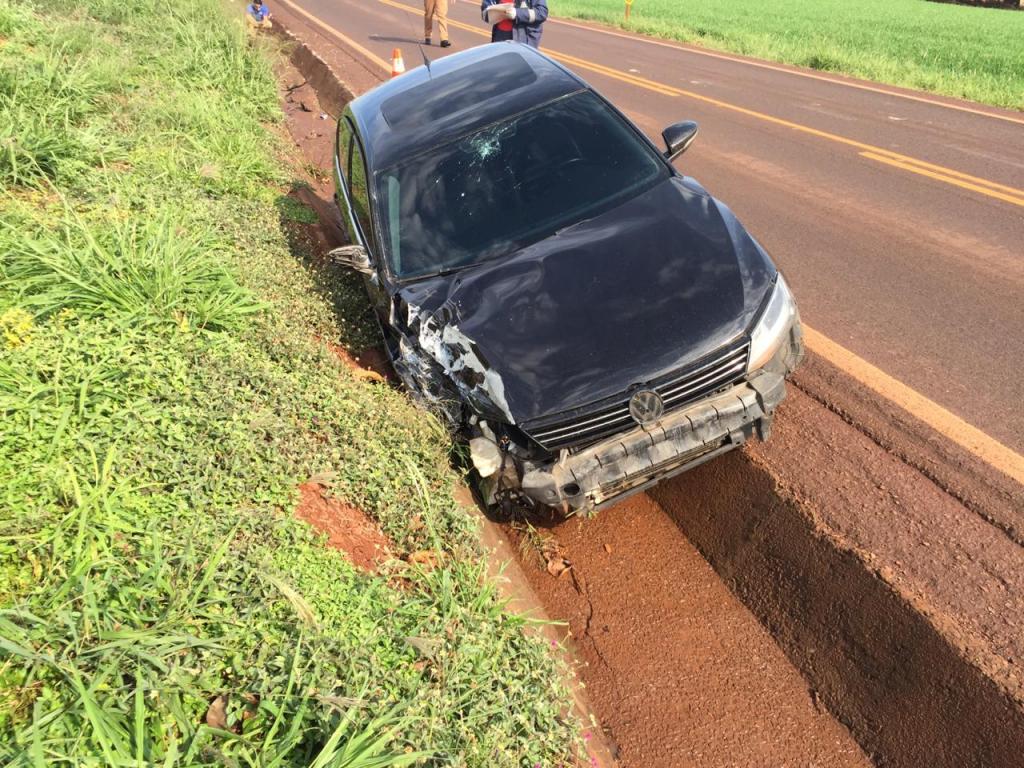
(968,52)
(162,393)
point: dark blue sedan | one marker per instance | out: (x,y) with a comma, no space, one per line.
(589,319)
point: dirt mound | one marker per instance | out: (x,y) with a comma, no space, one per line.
(348,528)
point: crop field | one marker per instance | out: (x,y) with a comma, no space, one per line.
(968,52)
(163,391)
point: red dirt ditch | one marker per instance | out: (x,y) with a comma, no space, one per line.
(679,672)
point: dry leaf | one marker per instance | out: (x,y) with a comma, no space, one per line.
(558,565)
(608,548)
(426,647)
(252,704)
(37,567)
(341,702)
(325,479)
(302,608)
(217,714)
(425,557)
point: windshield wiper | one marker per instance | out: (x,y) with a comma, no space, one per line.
(439,273)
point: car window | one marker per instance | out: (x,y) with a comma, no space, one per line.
(512,184)
(359,194)
(344,146)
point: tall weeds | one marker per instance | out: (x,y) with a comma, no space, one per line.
(147,269)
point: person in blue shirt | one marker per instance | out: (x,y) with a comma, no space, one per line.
(523,20)
(257,14)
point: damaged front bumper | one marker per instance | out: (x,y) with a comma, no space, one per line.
(632,461)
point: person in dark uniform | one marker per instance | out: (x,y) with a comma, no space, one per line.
(522,20)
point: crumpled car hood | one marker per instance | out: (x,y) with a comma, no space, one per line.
(616,301)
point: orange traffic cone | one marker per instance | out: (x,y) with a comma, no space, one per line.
(397,65)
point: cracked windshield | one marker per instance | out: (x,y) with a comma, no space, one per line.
(511,184)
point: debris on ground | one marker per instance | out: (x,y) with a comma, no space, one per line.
(428,558)
(368,375)
(217,714)
(555,563)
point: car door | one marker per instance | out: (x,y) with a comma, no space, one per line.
(352,182)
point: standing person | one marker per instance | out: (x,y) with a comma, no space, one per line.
(522,20)
(432,8)
(257,14)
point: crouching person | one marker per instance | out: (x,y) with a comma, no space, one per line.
(518,20)
(257,14)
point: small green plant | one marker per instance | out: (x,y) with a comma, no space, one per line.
(151,268)
(367,749)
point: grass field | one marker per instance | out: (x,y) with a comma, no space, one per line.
(969,52)
(162,393)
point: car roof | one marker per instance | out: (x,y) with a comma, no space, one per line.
(454,96)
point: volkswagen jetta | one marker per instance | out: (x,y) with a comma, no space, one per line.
(587,317)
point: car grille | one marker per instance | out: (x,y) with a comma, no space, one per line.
(716,372)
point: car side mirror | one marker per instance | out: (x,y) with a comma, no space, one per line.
(354,257)
(678,138)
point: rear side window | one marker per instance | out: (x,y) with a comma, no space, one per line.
(344,146)
(353,171)
(359,194)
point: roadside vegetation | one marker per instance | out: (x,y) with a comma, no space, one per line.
(164,388)
(968,52)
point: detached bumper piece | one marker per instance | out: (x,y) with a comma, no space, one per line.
(634,460)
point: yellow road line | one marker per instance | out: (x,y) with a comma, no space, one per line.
(940,177)
(951,426)
(938,172)
(931,413)
(958,174)
(385,65)
(786,70)
(642,82)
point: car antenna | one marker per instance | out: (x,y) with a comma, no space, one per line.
(426,61)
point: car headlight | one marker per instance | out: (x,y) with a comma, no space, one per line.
(773,326)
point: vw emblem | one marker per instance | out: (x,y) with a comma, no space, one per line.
(646,407)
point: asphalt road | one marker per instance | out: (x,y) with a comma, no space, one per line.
(898,217)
